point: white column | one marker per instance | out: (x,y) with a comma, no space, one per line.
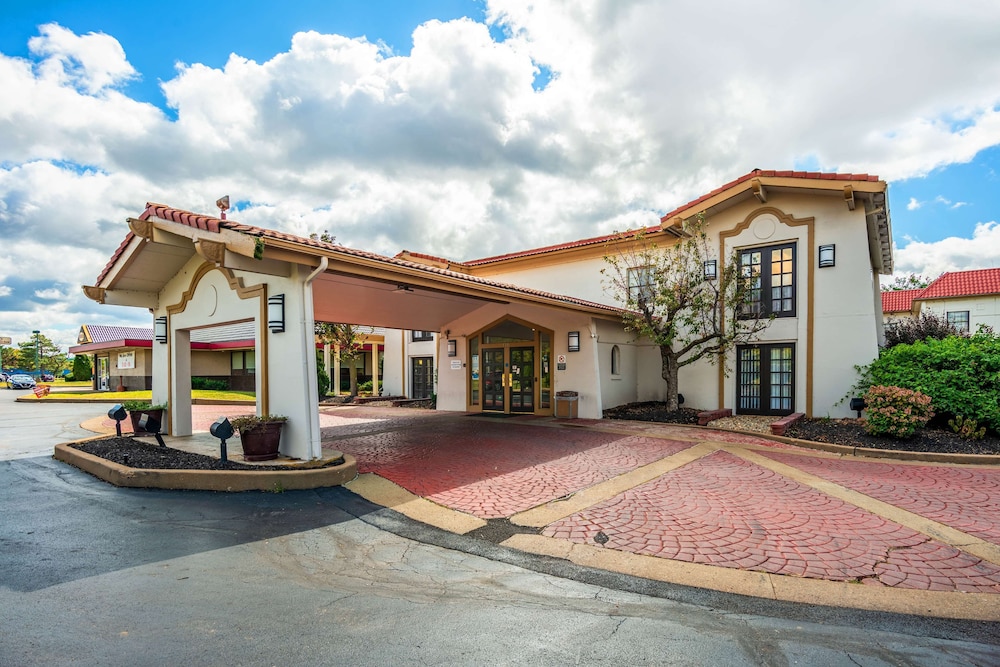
(180,380)
(374,369)
(336,369)
(326,362)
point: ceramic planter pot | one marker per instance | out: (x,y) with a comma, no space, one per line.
(261,442)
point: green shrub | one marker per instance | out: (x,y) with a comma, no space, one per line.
(961,375)
(208,384)
(896,412)
(967,428)
(365,386)
(82,369)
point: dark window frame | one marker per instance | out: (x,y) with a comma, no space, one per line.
(418,336)
(962,324)
(763,380)
(763,304)
(422,383)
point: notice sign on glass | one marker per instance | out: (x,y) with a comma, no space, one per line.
(126,360)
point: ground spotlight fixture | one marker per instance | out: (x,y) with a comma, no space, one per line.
(573,341)
(452,348)
(160,329)
(117,412)
(827,255)
(222,430)
(151,425)
(276,313)
(858,404)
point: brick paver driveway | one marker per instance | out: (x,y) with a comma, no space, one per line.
(698,495)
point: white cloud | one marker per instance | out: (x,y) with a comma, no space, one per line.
(951,254)
(6,290)
(438,150)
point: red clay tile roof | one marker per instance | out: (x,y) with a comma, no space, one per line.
(964,283)
(756,173)
(432,258)
(899,301)
(215,224)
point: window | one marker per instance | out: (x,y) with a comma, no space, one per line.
(959,319)
(770,276)
(640,284)
(422,378)
(423,335)
(616,360)
(765,379)
(243,362)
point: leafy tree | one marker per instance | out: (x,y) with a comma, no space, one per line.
(325,237)
(49,356)
(668,299)
(82,368)
(350,339)
(12,357)
(909,281)
(908,330)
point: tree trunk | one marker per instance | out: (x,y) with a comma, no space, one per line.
(669,369)
(353,373)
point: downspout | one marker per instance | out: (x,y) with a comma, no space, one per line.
(594,340)
(308,313)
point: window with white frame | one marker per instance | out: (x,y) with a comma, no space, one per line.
(640,283)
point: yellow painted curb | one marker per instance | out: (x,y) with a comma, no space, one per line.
(388,494)
(967,606)
(208,480)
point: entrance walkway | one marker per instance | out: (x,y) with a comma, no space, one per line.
(692,505)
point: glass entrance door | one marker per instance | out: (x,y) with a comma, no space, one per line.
(494,380)
(522,379)
(509,379)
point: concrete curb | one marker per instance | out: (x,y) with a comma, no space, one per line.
(208,480)
(99,401)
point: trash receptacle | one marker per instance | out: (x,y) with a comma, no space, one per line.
(572,401)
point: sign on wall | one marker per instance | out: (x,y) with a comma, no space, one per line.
(126,360)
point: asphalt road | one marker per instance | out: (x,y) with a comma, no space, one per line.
(28,429)
(95,575)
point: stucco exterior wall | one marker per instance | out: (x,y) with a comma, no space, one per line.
(982,309)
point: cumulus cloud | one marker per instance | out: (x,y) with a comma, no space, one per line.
(950,254)
(913,204)
(437,151)
(5,290)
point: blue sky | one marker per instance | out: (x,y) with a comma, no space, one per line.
(429,125)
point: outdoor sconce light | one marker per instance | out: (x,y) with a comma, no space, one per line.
(573,343)
(160,329)
(452,348)
(151,425)
(222,430)
(276,313)
(711,269)
(117,412)
(858,404)
(827,255)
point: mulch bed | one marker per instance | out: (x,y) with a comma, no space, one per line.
(137,454)
(936,438)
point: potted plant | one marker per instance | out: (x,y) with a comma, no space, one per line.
(260,436)
(136,409)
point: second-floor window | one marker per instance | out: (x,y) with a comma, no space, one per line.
(770,276)
(640,284)
(423,335)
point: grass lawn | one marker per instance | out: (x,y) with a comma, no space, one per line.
(120,396)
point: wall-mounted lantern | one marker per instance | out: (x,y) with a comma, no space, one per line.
(276,313)
(160,329)
(827,255)
(452,347)
(573,341)
(711,269)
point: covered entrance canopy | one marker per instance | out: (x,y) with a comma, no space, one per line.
(194,271)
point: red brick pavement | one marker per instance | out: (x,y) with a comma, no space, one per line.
(965,498)
(494,470)
(725,511)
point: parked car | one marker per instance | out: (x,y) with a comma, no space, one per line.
(47,377)
(21,382)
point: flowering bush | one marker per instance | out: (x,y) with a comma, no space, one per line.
(896,412)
